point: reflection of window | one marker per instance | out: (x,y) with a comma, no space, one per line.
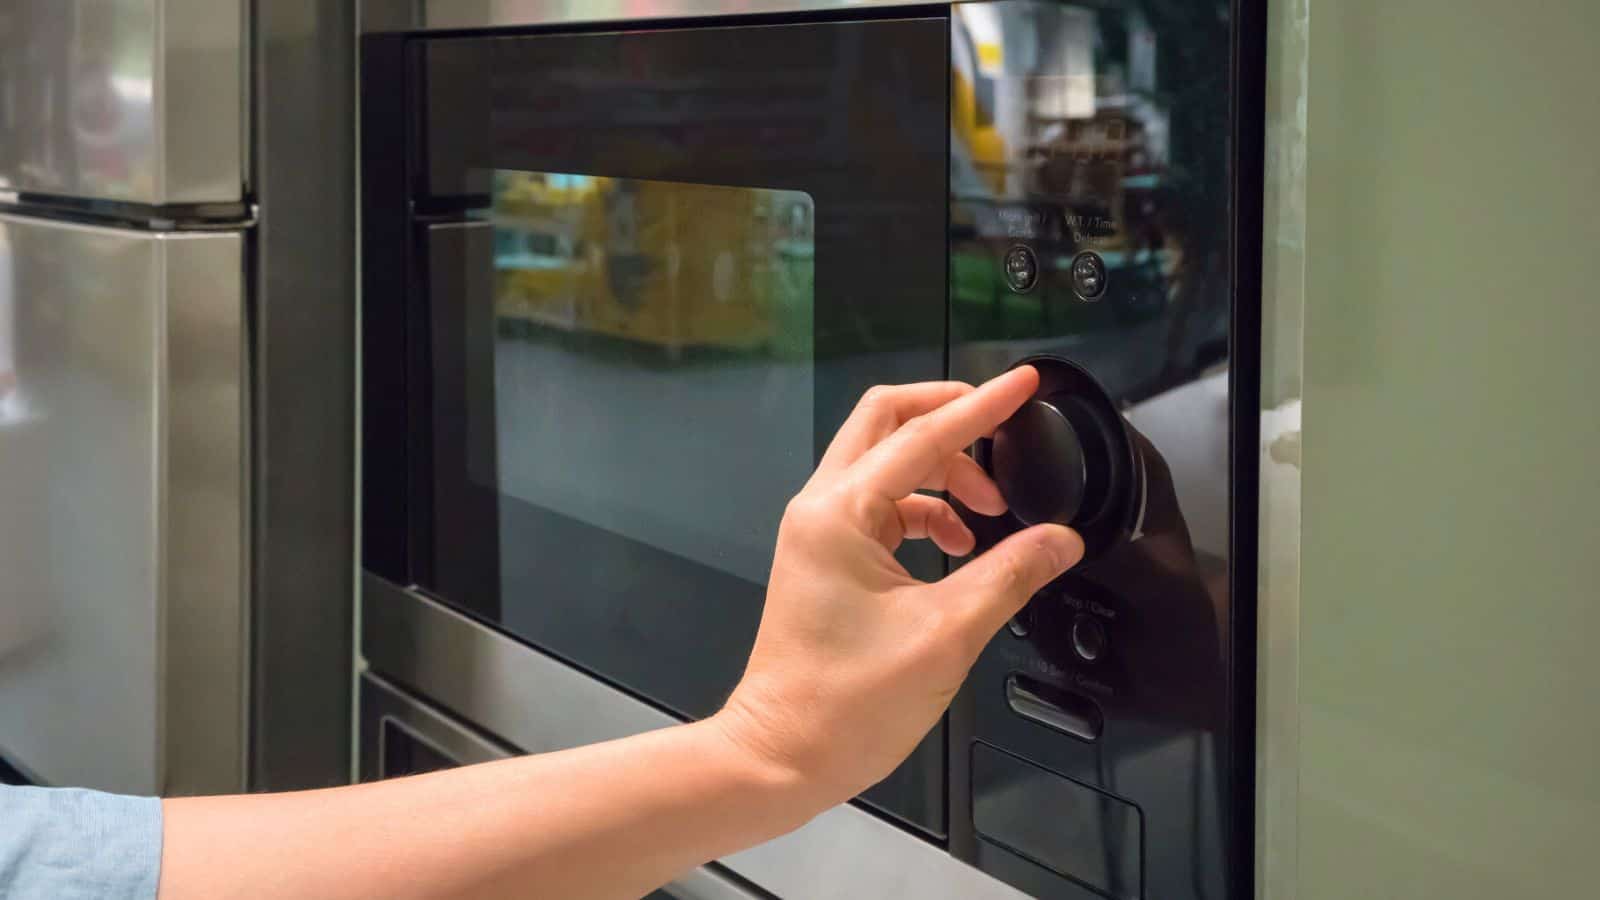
(798,228)
(532,243)
(520,248)
(652,262)
(669,329)
(542,244)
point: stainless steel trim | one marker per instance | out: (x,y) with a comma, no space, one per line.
(533,700)
(304,344)
(540,704)
(707,884)
(130,100)
(122,498)
(1278,705)
(206,547)
(201,100)
(383,703)
(429,15)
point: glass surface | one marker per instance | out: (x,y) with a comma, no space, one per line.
(1089,835)
(598,416)
(653,367)
(1103,132)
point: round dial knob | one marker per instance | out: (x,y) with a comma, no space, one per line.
(1066,456)
(1038,463)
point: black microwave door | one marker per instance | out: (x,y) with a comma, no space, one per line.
(654,271)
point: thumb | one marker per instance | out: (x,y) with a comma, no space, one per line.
(999,583)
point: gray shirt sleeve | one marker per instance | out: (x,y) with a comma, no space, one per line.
(67,843)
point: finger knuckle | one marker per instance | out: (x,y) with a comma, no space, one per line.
(913,508)
(1011,575)
(877,409)
(917,427)
(803,510)
(860,504)
(877,395)
(877,405)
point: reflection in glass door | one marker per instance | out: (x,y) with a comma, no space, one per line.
(652,360)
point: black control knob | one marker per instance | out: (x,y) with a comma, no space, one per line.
(1038,463)
(1066,456)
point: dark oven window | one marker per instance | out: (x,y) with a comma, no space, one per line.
(620,289)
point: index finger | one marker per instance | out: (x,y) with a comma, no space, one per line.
(880,412)
(899,464)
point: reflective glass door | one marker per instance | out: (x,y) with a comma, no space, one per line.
(621,289)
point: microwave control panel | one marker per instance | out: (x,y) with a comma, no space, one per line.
(1098,177)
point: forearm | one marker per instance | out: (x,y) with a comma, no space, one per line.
(854,662)
(611,820)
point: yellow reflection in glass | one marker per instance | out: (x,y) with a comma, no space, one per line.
(668,264)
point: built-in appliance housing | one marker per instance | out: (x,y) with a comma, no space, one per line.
(623,280)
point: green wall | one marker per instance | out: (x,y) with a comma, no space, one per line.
(1446,681)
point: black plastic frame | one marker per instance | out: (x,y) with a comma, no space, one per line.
(384,339)
(1245,123)
(1248,133)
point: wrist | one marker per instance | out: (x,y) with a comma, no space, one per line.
(781,789)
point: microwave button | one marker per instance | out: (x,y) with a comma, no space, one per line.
(1021,623)
(1088,638)
(1021,268)
(1088,275)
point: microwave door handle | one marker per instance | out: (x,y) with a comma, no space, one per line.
(707,883)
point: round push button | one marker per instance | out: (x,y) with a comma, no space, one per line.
(1088,638)
(1021,268)
(1038,464)
(1088,275)
(1021,623)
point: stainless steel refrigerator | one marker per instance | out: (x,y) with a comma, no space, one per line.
(138,496)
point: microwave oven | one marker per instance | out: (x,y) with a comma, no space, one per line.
(625,272)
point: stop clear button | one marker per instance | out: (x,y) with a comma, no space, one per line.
(1088,638)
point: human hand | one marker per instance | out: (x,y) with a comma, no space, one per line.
(854,662)
(855,659)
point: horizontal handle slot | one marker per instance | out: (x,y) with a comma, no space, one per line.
(1050,706)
